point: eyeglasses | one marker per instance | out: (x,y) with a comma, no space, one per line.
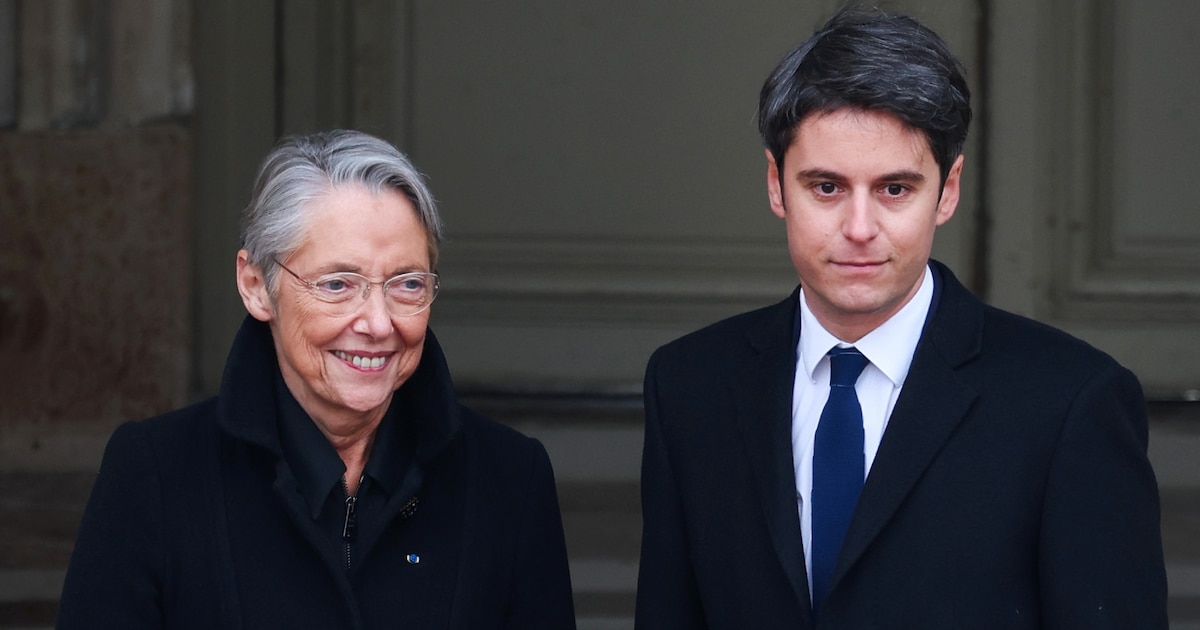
(407,294)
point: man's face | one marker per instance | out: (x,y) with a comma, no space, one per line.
(858,191)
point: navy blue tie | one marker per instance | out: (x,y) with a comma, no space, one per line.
(838,468)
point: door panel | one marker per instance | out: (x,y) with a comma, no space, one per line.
(1095,223)
(602,179)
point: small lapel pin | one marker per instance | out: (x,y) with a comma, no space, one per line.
(409,508)
(414,558)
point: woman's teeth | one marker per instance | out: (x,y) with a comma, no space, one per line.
(369,363)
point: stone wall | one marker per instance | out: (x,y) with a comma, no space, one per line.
(95,287)
(95,200)
(96,269)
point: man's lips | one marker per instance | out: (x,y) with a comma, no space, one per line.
(858,264)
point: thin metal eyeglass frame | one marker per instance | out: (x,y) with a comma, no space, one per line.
(312,287)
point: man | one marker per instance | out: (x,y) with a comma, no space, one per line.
(965,468)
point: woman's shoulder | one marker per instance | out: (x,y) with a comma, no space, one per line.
(486,431)
(184,421)
(169,437)
(497,446)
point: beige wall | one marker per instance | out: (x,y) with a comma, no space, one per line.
(597,165)
(1095,125)
(603,188)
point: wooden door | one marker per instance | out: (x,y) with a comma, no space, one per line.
(1095,147)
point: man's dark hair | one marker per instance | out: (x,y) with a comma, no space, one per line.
(870,60)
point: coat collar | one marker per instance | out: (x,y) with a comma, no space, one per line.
(247,402)
(932,404)
(934,401)
(764,417)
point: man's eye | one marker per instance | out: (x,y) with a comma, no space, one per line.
(826,188)
(895,190)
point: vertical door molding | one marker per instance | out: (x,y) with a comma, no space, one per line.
(598,166)
(346,65)
(234,127)
(1094,228)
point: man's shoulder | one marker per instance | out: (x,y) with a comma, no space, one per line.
(776,319)
(968,324)
(1010,334)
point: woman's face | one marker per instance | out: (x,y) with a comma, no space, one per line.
(349,364)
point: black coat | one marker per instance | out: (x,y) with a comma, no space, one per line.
(195,521)
(1011,488)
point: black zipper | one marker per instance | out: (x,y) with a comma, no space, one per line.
(350,526)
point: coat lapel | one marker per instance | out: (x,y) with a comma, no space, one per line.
(764,418)
(934,401)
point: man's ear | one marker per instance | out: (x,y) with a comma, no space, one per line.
(951,191)
(774,190)
(252,286)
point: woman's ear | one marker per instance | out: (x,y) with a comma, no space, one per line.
(252,286)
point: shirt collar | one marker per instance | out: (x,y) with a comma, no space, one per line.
(890,347)
(314,461)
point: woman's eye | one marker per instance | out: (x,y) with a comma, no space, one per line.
(411,284)
(334,285)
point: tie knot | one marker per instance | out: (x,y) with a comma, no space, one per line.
(845,364)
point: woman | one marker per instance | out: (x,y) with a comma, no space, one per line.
(335,481)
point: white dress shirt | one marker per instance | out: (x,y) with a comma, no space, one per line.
(889,348)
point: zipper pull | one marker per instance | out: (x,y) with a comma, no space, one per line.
(351,522)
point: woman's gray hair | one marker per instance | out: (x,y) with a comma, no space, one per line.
(301,169)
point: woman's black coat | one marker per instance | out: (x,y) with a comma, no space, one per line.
(195,521)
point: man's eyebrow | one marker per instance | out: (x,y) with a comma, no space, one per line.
(902,176)
(911,177)
(819,173)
